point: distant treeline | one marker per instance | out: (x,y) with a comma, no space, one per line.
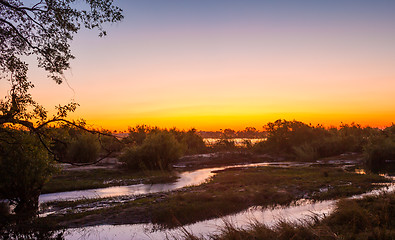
(248,132)
(306,142)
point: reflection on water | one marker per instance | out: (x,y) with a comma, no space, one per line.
(240,142)
(30,230)
(300,213)
(303,211)
(185,179)
(360,171)
(204,228)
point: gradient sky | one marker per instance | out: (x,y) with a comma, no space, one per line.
(214,64)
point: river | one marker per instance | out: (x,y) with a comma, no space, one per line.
(299,212)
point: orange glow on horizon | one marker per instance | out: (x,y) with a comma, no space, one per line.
(240,122)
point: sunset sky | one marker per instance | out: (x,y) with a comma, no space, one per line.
(214,64)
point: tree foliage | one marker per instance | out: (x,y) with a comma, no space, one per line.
(44,29)
(380,149)
(25,166)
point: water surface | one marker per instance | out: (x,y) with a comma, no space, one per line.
(188,178)
(299,213)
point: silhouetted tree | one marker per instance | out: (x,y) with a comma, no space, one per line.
(25,165)
(43,29)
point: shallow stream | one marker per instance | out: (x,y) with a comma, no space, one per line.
(301,212)
(187,178)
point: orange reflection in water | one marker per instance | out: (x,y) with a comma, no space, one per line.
(360,171)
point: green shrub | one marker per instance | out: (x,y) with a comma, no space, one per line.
(158,151)
(111,144)
(193,142)
(378,150)
(138,134)
(83,148)
(307,142)
(25,166)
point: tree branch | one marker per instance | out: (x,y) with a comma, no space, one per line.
(27,41)
(18,33)
(4,3)
(39,134)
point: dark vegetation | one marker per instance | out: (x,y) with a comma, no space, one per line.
(300,141)
(190,140)
(151,148)
(158,150)
(248,132)
(380,149)
(306,142)
(25,166)
(30,230)
(75,145)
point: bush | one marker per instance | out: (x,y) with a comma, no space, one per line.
(306,142)
(83,148)
(138,134)
(305,152)
(158,151)
(4,209)
(283,136)
(111,144)
(25,167)
(378,150)
(193,142)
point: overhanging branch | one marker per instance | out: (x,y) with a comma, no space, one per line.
(37,131)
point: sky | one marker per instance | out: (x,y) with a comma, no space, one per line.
(216,64)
